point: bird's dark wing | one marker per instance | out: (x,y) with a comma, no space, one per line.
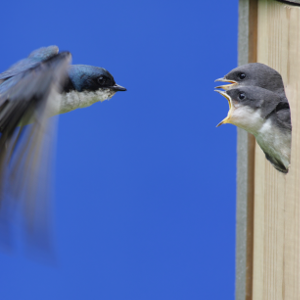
(278,165)
(31,61)
(28,97)
(283,115)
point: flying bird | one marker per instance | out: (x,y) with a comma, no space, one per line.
(32,91)
(262,113)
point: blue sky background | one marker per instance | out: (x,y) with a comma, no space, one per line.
(145,182)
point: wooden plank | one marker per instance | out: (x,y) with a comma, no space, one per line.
(247,41)
(276,269)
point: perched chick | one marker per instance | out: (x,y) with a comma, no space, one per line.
(262,113)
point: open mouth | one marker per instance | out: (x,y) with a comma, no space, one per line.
(226,86)
(231,108)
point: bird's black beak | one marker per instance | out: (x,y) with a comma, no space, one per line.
(117,87)
(226,86)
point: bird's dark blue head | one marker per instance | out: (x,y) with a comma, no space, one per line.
(90,79)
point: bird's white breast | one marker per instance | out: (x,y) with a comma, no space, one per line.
(74,99)
(247,118)
(62,103)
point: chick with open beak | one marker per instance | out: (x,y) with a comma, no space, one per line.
(226,87)
(263,114)
(254,74)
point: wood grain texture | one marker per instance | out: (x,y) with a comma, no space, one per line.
(252,57)
(276,256)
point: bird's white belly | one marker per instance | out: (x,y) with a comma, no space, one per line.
(73,100)
(63,103)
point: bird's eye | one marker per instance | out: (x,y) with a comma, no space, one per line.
(242,96)
(101,80)
(242,75)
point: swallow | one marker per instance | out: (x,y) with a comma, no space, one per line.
(32,91)
(262,113)
(254,74)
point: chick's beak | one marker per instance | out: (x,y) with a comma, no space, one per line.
(231,108)
(226,86)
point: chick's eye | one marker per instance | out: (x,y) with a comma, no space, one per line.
(242,96)
(242,75)
(101,80)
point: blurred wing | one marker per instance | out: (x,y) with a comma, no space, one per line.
(31,61)
(25,151)
(44,53)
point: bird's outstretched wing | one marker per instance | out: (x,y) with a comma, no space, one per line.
(29,97)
